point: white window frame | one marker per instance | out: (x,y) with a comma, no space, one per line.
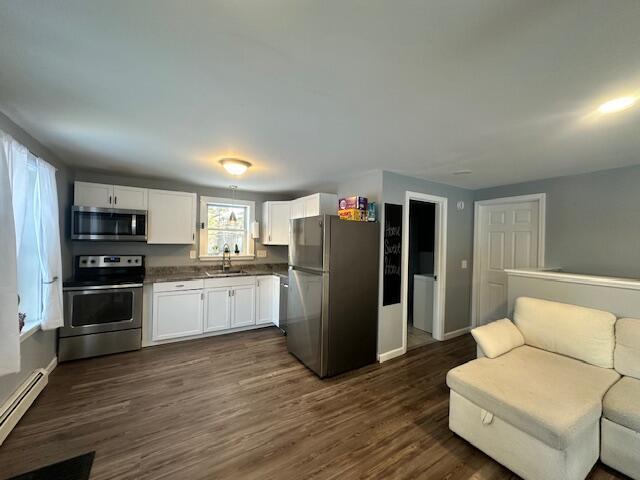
(250,241)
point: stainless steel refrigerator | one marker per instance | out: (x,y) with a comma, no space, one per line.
(332,305)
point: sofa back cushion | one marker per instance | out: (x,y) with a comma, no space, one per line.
(627,354)
(578,332)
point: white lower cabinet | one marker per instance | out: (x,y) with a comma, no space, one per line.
(200,307)
(264,300)
(177,314)
(217,309)
(243,305)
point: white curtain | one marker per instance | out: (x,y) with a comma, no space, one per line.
(9,329)
(18,158)
(48,240)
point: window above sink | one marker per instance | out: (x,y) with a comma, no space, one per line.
(218,227)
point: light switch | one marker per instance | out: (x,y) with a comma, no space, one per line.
(192,254)
(261,253)
(463,265)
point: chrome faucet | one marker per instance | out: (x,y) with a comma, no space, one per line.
(226,257)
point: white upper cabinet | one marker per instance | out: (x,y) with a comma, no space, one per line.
(297,208)
(316,204)
(130,198)
(275,223)
(171,217)
(109,196)
(93,195)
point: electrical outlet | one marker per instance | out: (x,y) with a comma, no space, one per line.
(192,254)
(261,253)
(463,265)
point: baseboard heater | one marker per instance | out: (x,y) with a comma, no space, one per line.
(18,403)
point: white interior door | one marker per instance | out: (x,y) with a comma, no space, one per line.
(507,238)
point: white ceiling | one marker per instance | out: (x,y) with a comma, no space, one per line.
(310,91)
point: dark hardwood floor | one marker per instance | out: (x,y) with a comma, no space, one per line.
(240,407)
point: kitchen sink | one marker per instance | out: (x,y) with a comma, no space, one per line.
(234,272)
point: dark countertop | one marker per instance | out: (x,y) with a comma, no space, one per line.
(181,273)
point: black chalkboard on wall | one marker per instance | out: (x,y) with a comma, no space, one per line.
(392,253)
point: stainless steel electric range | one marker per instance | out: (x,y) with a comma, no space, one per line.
(102,307)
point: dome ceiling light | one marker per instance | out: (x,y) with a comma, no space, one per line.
(235,166)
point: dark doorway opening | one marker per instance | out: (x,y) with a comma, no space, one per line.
(421,281)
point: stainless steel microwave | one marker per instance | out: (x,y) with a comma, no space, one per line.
(111,224)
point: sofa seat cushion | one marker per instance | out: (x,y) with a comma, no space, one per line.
(551,397)
(622,403)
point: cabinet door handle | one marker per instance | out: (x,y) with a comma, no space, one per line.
(110,199)
(115,200)
(202,296)
(179,286)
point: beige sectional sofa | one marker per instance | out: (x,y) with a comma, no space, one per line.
(533,400)
(621,405)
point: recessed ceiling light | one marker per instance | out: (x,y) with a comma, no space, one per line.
(462,172)
(235,166)
(617,104)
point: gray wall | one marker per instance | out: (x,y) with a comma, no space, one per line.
(459,247)
(593,220)
(369,185)
(40,348)
(168,255)
(622,302)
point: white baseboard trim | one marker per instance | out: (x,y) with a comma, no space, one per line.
(52,365)
(383,357)
(19,402)
(456,333)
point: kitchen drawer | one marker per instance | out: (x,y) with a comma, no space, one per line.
(177,286)
(229,281)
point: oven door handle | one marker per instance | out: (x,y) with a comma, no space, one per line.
(102,287)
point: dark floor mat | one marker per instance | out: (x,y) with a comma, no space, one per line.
(77,468)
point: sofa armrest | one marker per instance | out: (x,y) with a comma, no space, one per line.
(497,338)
